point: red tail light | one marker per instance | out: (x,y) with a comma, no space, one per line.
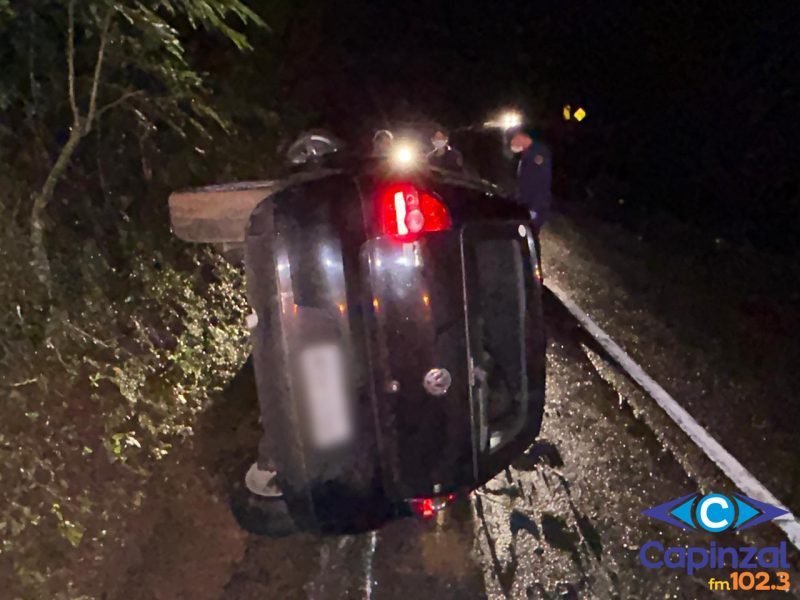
(428,508)
(405,212)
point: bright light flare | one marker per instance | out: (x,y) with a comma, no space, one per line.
(579,114)
(508,119)
(404,155)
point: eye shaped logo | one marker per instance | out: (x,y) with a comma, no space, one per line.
(715,512)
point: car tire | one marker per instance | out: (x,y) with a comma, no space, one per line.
(260,515)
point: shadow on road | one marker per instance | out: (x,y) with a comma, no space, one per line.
(192,547)
(524,519)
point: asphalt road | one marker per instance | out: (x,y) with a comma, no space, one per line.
(564,521)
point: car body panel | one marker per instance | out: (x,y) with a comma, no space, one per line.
(351,322)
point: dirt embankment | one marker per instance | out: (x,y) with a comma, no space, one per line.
(102,385)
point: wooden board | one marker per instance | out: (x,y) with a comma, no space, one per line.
(217,213)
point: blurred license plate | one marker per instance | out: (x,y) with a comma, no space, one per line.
(323,371)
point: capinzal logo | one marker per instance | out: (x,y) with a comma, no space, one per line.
(715,512)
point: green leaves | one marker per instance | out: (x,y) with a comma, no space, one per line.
(105,376)
(147,46)
(118,384)
(6,11)
(215,16)
(130,58)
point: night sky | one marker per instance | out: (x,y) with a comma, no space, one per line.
(692,110)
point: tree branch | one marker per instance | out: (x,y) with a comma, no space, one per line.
(76,115)
(98,67)
(123,98)
(32,58)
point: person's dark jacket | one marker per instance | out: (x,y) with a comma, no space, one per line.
(449,160)
(534,179)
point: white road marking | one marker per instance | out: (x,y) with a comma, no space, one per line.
(369,556)
(733,469)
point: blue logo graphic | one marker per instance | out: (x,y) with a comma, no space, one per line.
(715,512)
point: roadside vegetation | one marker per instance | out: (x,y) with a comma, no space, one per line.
(113,336)
(99,391)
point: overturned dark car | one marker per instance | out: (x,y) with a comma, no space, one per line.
(399,349)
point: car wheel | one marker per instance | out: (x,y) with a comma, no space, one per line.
(260,515)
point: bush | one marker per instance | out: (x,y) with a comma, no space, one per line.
(98,385)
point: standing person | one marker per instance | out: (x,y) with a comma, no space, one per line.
(534,176)
(443,155)
(382,142)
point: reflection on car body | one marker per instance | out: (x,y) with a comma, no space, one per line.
(399,351)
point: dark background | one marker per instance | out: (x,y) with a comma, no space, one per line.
(692,107)
(688,144)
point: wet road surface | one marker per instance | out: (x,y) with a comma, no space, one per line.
(562,522)
(715,324)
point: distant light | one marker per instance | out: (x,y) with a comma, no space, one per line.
(342,308)
(506,120)
(510,119)
(567,112)
(579,114)
(426,300)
